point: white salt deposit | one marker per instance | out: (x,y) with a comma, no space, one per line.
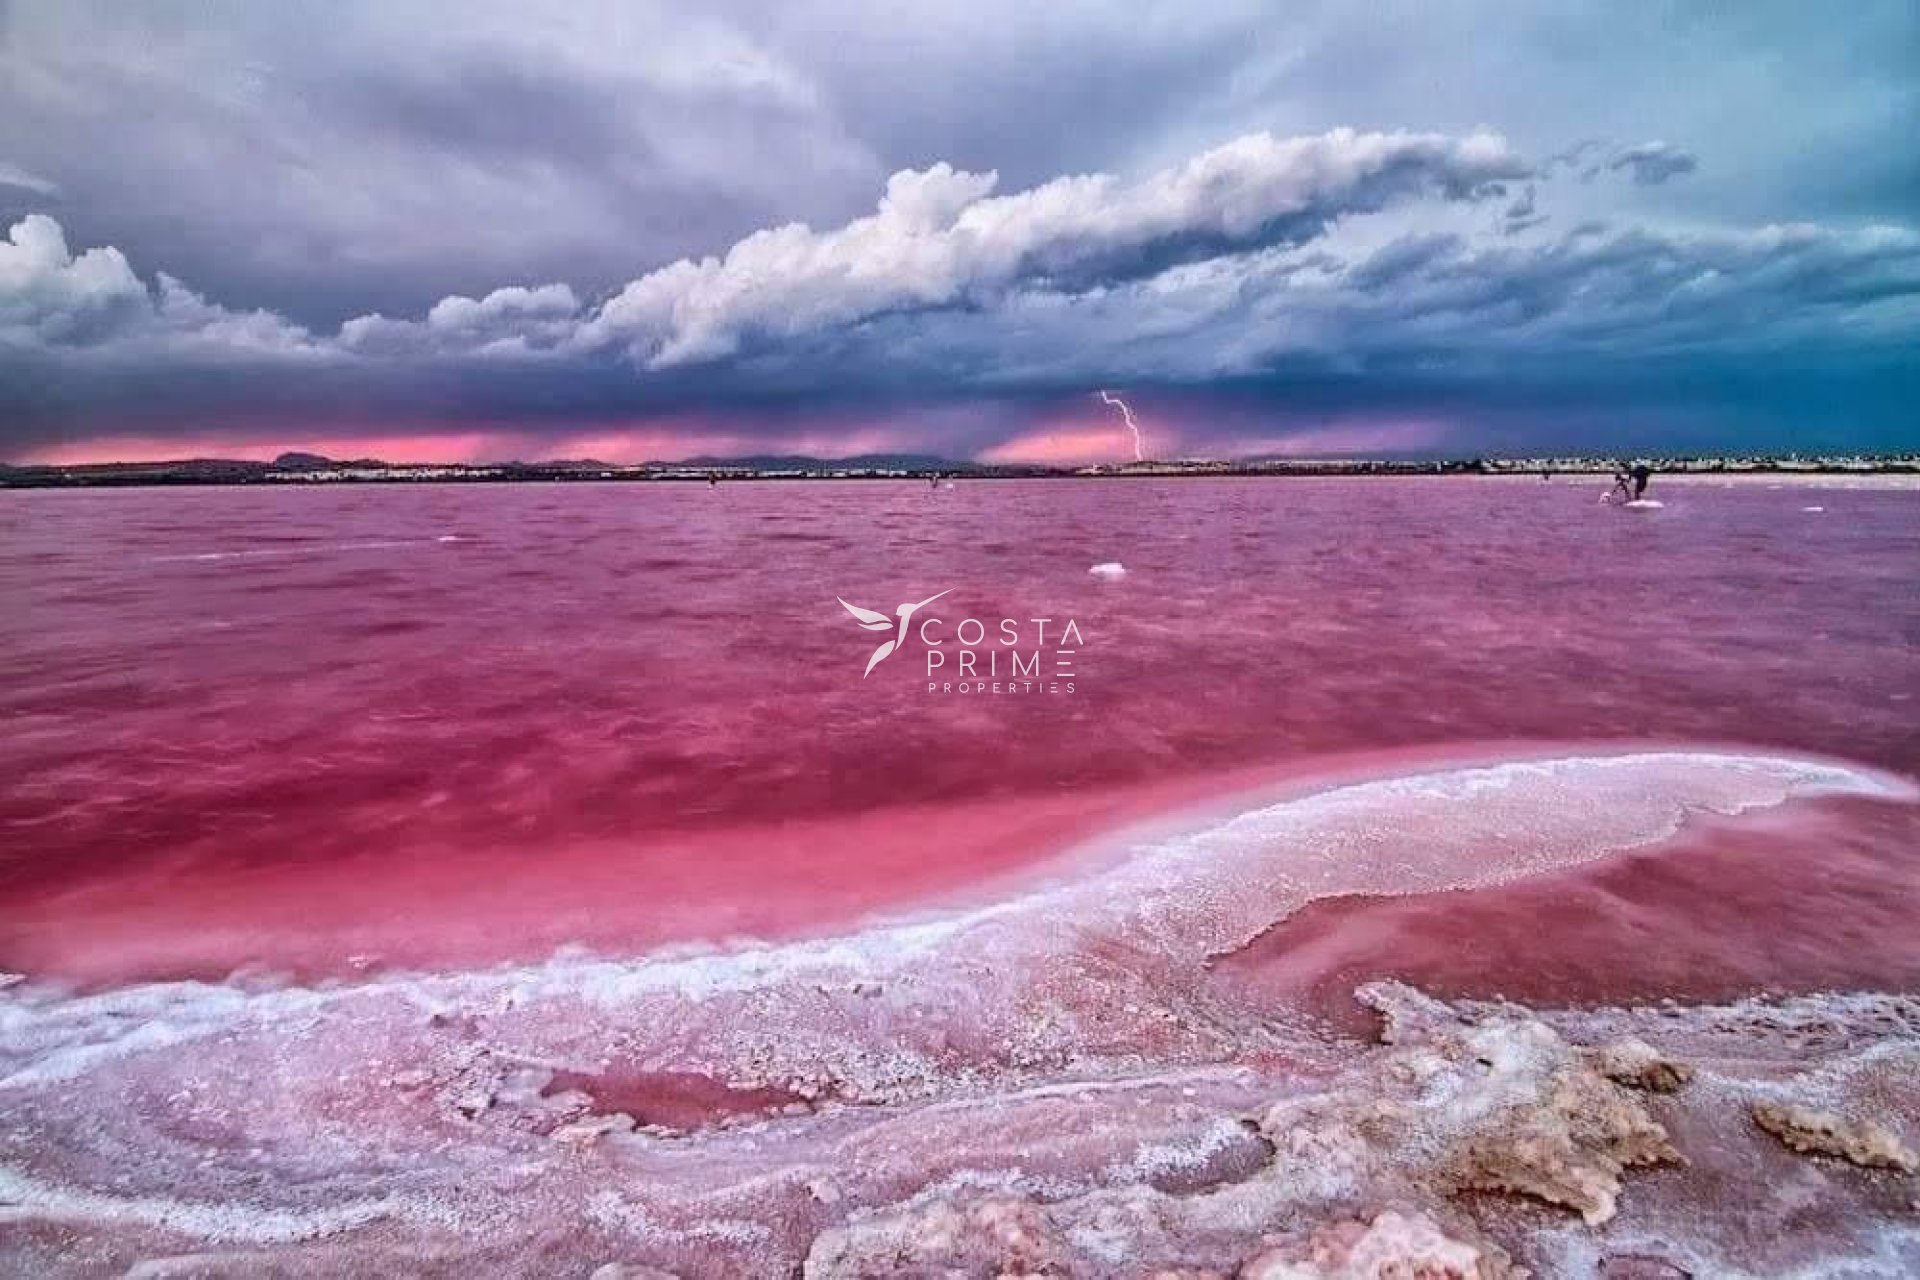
(993,1052)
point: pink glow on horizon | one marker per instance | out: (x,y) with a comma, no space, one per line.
(654,442)
(1074,439)
(1064,446)
(1084,439)
(472,446)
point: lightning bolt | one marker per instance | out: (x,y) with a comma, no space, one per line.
(1139,441)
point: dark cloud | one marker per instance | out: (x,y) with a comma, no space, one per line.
(347,212)
(1523,214)
(325,160)
(1427,323)
(1652,163)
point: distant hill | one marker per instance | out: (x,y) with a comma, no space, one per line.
(296,461)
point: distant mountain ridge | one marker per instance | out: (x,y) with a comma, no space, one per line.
(300,467)
(299,462)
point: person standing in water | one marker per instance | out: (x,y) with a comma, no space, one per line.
(1629,482)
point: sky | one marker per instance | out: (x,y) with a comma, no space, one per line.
(633,231)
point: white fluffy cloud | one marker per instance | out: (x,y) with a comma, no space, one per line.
(940,238)
(48,295)
(51,297)
(509,321)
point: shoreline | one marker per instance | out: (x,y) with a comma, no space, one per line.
(874,1102)
(1902,472)
(350,921)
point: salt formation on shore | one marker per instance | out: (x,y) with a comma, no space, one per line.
(1393,1244)
(990,1092)
(1420,1156)
(1450,1104)
(1458,1100)
(1814,1132)
(1005,1238)
(1520,1109)
(1639,1065)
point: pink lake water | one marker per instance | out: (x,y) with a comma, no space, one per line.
(590,774)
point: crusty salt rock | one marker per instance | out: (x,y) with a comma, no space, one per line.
(1408,1014)
(629,1271)
(994,1237)
(1514,1107)
(1329,1149)
(1394,1244)
(1639,1065)
(1500,1104)
(1864,1142)
(590,1129)
(1567,1145)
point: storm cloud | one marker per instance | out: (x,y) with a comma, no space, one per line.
(356,220)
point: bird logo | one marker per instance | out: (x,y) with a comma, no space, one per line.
(872,620)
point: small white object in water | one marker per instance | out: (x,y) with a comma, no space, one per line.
(1110,569)
(1813,508)
(1645,504)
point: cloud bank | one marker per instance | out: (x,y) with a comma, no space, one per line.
(940,238)
(1269,289)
